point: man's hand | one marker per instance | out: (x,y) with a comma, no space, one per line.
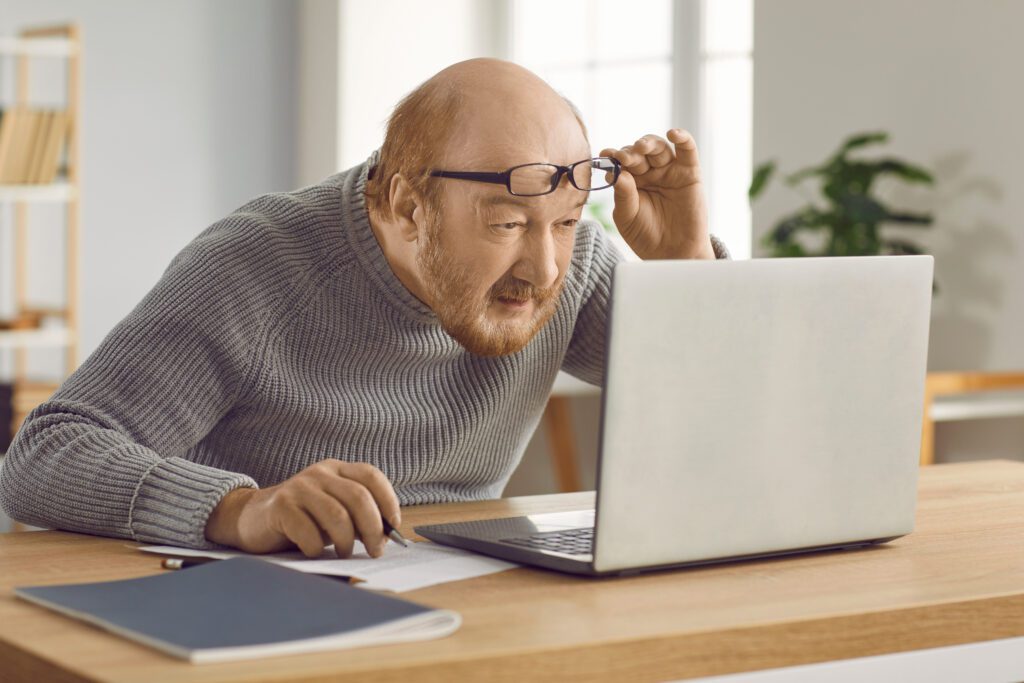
(329,502)
(659,198)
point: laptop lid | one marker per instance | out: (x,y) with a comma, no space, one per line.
(758,406)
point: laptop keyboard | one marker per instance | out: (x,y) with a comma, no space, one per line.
(570,542)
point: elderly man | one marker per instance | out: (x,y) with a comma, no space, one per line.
(386,337)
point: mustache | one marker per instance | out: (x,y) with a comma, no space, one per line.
(520,290)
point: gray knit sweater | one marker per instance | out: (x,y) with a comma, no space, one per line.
(277,338)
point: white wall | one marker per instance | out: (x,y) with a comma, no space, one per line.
(943,78)
(318,98)
(388,47)
(187,112)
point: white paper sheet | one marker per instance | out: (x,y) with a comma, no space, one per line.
(398,569)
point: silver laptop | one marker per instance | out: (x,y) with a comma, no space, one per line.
(750,409)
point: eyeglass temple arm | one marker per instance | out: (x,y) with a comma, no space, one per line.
(500,178)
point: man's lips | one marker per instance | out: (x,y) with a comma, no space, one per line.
(513,302)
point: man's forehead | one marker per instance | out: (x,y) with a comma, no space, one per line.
(499,157)
(520,137)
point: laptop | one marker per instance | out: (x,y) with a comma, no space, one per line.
(750,409)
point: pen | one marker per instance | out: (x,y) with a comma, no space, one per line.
(182,563)
(392,533)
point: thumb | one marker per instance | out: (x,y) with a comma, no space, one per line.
(627,200)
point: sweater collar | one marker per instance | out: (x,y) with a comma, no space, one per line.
(368,250)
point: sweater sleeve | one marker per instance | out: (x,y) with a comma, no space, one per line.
(585,357)
(102,456)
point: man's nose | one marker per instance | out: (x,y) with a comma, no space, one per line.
(538,264)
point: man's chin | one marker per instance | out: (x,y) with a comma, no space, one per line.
(494,336)
(493,345)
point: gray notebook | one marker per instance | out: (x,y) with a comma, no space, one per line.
(244,608)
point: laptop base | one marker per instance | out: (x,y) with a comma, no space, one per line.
(484,536)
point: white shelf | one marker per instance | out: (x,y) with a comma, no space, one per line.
(983,404)
(53,192)
(50,337)
(37,47)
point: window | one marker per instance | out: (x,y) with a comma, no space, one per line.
(726,114)
(645,66)
(612,59)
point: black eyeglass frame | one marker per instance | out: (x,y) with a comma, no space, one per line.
(505,177)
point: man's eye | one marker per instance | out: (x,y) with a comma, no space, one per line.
(515,225)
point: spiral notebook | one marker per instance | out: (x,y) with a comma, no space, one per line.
(244,608)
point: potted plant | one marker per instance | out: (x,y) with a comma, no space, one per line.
(848,219)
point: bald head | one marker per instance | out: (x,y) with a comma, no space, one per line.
(480,114)
(509,116)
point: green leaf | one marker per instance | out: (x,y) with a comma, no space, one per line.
(783,230)
(909,218)
(908,172)
(762,174)
(862,140)
(860,208)
(791,250)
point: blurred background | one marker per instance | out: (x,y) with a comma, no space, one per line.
(178,112)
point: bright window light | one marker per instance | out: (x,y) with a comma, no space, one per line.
(726,106)
(595,53)
(614,60)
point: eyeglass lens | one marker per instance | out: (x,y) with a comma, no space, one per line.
(534,179)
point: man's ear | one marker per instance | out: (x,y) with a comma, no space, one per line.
(406,208)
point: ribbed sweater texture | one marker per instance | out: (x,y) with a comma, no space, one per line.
(277,338)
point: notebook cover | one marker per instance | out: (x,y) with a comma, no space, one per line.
(240,603)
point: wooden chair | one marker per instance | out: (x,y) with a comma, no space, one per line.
(562,443)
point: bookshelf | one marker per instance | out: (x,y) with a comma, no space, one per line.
(34,327)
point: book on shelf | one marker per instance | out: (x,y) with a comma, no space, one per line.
(7,124)
(31,143)
(35,157)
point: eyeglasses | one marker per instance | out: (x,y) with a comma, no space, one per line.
(531,180)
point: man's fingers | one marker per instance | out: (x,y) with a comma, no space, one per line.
(635,162)
(657,150)
(650,151)
(627,200)
(685,146)
(333,519)
(379,487)
(363,510)
(302,531)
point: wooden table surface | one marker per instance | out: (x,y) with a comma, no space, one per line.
(958,578)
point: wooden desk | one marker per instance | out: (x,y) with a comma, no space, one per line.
(958,578)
